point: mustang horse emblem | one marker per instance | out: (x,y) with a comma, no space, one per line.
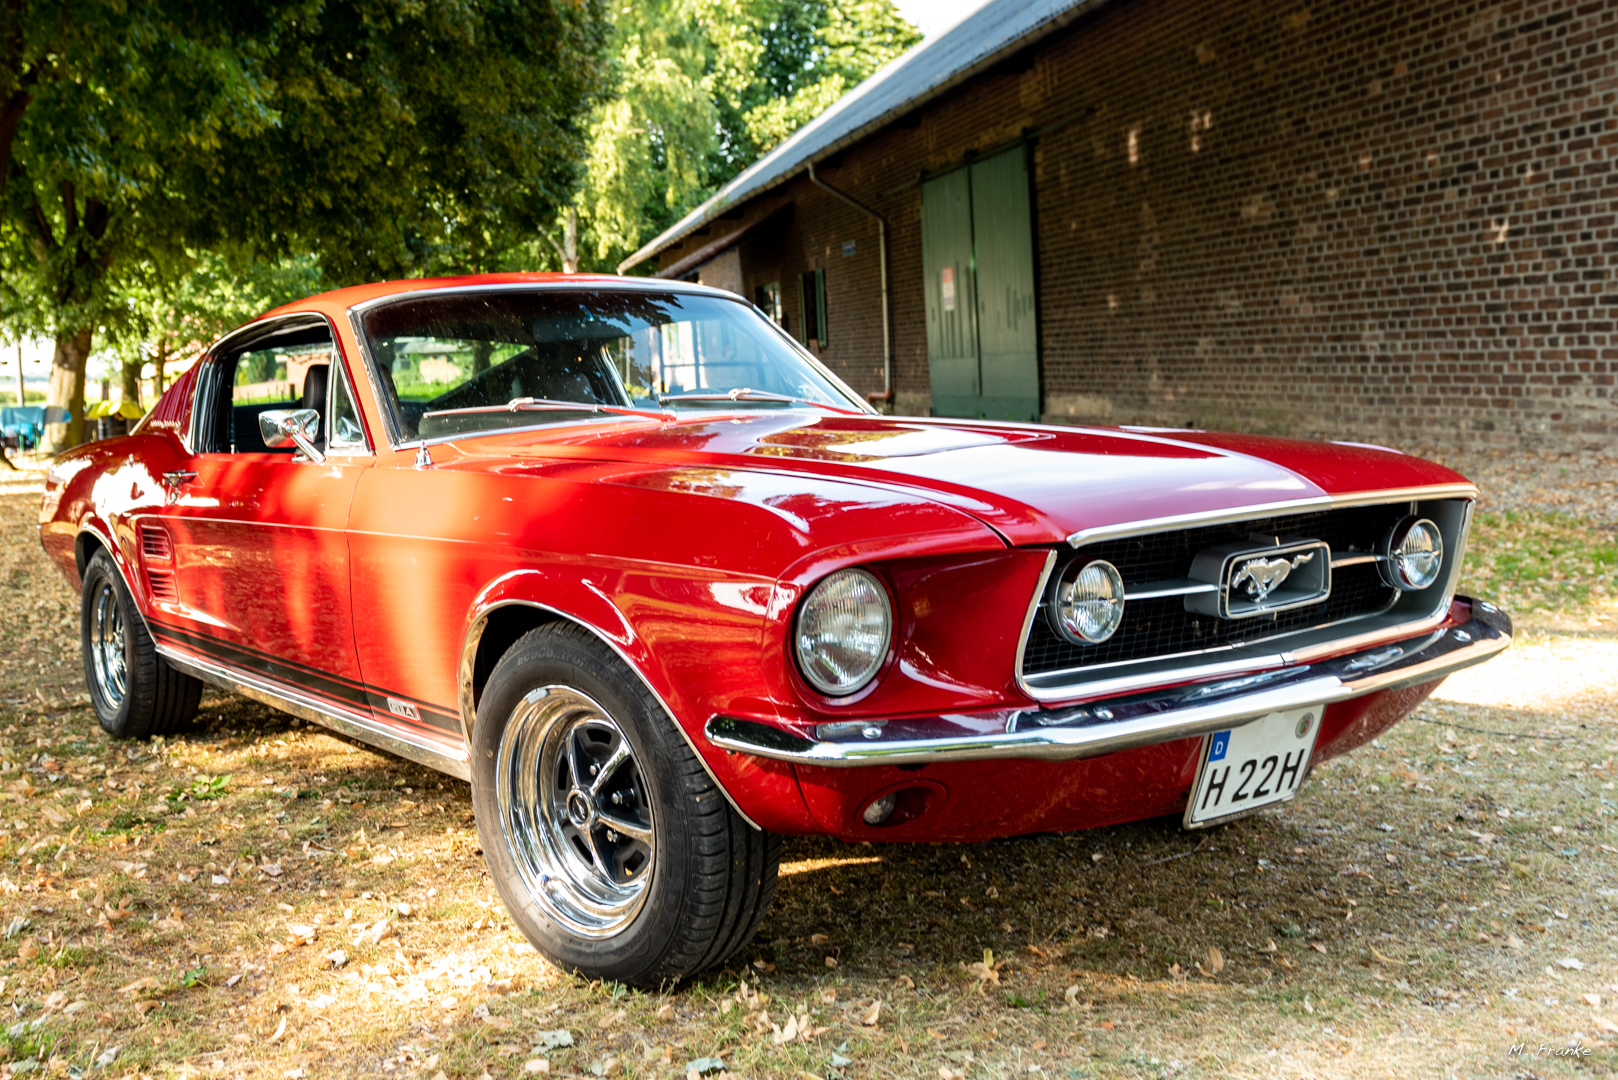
(1261,577)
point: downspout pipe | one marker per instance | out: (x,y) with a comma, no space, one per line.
(886,394)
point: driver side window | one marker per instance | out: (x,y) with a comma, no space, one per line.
(286,370)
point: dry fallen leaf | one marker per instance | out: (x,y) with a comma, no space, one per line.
(818,939)
(1570,964)
(665,1012)
(1513,941)
(1383,959)
(1216,963)
(280,1030)
(874,1013)
(300,933)
(610,1019)
(986,970)
(148,983)
(828,997)
(1319,947)
(1593,1000)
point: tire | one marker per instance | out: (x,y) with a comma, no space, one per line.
(134,691)
(678,886)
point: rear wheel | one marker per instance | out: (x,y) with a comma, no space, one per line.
(133,690)
(612,848)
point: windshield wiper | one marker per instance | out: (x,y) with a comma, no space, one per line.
(525,404)
(747,393)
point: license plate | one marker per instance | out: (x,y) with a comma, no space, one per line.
(1254,765)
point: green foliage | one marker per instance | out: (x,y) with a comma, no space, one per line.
(370,138)
(704,87)
(201,789)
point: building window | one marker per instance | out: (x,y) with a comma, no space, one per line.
(768,297)
(812,303)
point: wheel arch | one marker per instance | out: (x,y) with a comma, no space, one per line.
(496,624)
(91,539)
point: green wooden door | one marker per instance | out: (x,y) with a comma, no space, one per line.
(977,253)
(952,332)
(1008,342)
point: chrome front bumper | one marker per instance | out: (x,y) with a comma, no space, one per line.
(1081,731)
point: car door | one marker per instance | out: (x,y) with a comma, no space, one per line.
(260,559)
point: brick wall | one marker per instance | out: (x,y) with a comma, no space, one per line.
(1374,220)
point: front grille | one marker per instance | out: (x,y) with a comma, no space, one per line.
(1162,626)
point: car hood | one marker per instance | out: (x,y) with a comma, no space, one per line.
(1033,484)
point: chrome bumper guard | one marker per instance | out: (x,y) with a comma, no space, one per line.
(1081,731)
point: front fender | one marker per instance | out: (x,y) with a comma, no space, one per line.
(765,793)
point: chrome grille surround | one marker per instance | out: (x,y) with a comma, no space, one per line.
(1188,647)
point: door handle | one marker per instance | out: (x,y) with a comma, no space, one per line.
(178,477)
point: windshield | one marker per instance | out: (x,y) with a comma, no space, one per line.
(454,363)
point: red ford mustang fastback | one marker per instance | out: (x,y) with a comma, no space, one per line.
(632,562)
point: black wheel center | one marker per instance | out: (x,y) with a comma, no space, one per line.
(581,809)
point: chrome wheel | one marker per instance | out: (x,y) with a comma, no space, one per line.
(109,658)
(576,811)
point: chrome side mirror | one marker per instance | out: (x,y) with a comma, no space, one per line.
(291,427)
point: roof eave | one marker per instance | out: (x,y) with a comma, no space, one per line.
(725,197)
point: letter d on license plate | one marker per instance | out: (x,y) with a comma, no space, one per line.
(1259,763)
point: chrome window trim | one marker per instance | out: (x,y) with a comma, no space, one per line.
(209,363)
(340,371)
(1256,660)
(396,439)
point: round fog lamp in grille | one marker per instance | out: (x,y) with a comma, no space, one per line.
(844,628)
(1089,602)
(1415,554)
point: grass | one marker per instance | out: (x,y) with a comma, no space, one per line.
(1536,564)
(179,905)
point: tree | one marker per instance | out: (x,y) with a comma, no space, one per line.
(702,88)
(374,136)
(174,311)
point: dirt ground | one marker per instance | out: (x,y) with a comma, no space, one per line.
(260,898)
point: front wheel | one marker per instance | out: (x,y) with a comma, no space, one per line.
(614,851)
(133,690)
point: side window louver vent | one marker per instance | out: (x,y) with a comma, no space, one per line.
(162,585)
(155,544)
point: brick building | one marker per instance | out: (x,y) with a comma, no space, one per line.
(1369,219)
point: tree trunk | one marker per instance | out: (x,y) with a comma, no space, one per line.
(570,242)
(159,367)
(66,394)
(129,379)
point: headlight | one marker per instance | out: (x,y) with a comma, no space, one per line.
(844,627)
(1414,552)
(1089,602)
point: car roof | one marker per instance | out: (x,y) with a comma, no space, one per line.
(355,296)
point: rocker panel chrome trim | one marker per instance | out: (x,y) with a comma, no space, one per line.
(354,725)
